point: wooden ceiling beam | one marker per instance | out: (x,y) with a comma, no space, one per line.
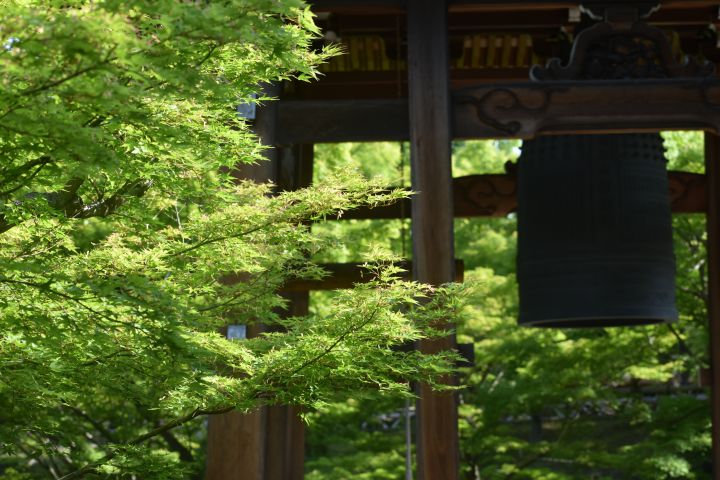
(479,22)
(517,21)
(398,6)
(383,6)
(358,7)
(342,121)
(556,18)
(675,17)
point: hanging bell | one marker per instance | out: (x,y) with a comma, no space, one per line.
(594,232)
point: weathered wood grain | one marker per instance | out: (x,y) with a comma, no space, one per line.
(432,211)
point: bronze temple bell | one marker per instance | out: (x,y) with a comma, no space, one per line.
(595,232)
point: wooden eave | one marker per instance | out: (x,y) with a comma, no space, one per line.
(479,5)
(548,24)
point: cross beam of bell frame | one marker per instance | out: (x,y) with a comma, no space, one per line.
(494,195)
(518,110)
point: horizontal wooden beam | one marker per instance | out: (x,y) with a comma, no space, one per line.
(345,275)
(525,111)
(522,110)
(342,121)
(362,6)
(469,21)
(494,196)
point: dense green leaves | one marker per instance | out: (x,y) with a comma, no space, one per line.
(127,243)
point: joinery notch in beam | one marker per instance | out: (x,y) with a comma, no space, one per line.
(345,275)
(494,196)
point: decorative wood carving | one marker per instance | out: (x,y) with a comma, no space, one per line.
(588,106)
(499,100)
(688,192)
(598,9)
(485,195)
(622,75)
(609,51)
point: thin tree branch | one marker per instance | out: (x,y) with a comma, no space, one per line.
(22,170)
(221,238)
(78,72)
(681,341)
(45,287)
(91,467)
(96,425)
(207,56)
(329,349)
(71,204)
(39,460)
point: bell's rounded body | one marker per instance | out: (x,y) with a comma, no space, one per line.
(595,232)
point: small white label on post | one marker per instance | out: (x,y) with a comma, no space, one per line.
(236,332)
(247,108)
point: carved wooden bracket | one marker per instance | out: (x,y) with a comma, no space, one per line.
(504,109)
(618,51)
(614,10)
(622,75)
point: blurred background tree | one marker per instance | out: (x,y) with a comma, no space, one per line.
(538,404)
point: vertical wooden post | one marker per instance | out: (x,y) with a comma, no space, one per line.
(275,442)
(236,442)
(295,451)
(432,214)
(295,167)
(264,126)
(285,439)
(712,170)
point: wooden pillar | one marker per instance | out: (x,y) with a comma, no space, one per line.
(285,437)
(285,444)
(295,167)
(236,442)
(295,452)
(432,214)
(265,127)
(285,431)
(712,169)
